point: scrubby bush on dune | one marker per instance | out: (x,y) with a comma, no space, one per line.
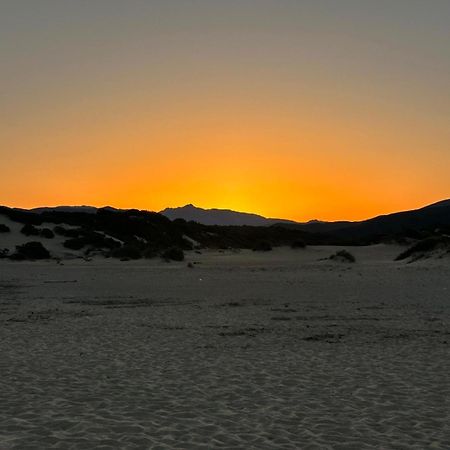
(74,244)
(149,253)
(262,246)
(173,254)
(47,233)
(70,233)
(343,256)
(92,239)
(30,230)
(127,252)
(4,228)
(422,248)
(298,244)
(31,250)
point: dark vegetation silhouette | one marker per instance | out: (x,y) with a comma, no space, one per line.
(31,251)
(298,244)
(90,240)
(134,233)
(263,246)
(173,254)
(4,228)
(47,233)
(29,230)
(343,256)
(424,247)
(126,252)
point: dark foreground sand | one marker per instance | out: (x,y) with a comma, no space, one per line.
(245,351)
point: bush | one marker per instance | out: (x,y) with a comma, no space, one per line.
(343,256)
(31,250)
(93,239)
(262,246)
(47,233)
(127,252)
(298,244)
(70,233)
(426,245)
(173,254)
(149,253)
(4,228)
(4,253)
(74,244)
(30,230)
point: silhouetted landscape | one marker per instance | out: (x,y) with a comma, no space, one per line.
(221,226)
(134,234)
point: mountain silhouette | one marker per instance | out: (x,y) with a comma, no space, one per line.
(430,217)
(216,216)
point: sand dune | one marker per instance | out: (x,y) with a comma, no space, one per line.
(244,351)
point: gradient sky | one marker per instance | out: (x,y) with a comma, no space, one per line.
(330,109)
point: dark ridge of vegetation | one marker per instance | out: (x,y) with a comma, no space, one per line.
(127,252)
(30,250)
(47,233)
(30,230)
(21,216)
(4,228)
(419,249)
(298,244)
(173,254)
(262,246)
(4,252)
(226,237)
(343,256)
(153,233)
(92,239)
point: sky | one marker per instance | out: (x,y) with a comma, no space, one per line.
(301,109)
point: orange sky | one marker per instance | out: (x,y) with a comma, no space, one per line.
(258,112)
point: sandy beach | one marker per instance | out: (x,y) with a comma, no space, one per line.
(278,350)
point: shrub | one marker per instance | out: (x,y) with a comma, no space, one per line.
(343,256)
(4,253)
(30,230)
(149,253)
(262,246)
(70,233)
(173,254)
(47,233)
(426,245)
(74,244)
(4,228)
(127,252)
(31,250)
(298,244)
(93,239)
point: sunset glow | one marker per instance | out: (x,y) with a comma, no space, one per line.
(296,111)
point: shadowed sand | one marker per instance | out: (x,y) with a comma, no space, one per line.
(244,351)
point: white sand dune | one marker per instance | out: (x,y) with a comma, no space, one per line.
(245,351)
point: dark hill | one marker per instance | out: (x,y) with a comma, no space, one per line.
(216,216)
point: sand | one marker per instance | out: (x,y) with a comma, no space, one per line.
(246,350)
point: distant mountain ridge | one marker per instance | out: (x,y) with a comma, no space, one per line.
(63,208)
(436,215)
(217,216)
